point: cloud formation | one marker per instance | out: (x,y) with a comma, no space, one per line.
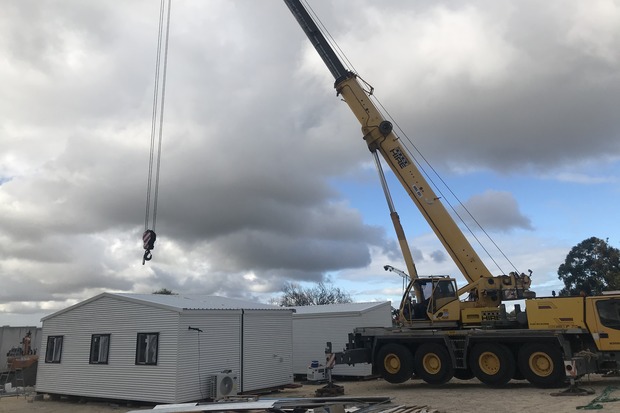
(254,136)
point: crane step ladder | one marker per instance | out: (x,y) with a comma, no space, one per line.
(458,347)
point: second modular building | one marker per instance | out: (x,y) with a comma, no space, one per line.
(314,326)
(163,348)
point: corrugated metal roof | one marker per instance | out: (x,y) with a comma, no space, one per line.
(339,308)
(179,302)
(199,302)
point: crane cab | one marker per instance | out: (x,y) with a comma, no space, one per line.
(603,320)
(440,301)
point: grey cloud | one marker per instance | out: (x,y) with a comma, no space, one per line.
(497,96)
(253,137)
(438,256)
(496,210)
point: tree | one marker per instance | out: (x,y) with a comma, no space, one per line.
(295,295)
(591,266)
(164,291)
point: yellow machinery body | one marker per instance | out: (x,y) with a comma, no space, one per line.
(555,313)
(599,316)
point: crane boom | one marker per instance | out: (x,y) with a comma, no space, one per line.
(317,39)
(378,134)
(380,137)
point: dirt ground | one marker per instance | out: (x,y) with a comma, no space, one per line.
(455,396)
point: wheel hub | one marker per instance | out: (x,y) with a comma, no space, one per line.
(431,363)
(541,364)
(489,363)
(391,363)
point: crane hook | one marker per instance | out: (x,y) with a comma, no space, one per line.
(148,238)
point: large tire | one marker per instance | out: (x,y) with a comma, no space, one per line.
(395,363)
(492,363)
(432,363)
(542,365)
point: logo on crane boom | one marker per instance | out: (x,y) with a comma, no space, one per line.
(399,157)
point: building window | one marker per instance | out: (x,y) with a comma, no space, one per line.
(54,349)
(146,348)
(99,348)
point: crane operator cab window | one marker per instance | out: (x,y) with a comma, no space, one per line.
(609,313)
(436,292)
(427,289)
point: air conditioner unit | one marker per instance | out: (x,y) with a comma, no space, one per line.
(222,385)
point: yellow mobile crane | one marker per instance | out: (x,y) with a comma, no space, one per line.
(487,291)
(441,336)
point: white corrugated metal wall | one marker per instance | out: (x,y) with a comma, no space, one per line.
(312,330)
(186,358)
(121,378)
(267,349)
(201,354)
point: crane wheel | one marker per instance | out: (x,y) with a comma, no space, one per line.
(542,365)
(395,363)
(432,363)
(492,363)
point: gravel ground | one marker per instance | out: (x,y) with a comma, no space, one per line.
(455,396)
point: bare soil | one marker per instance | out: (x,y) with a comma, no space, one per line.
(455,396)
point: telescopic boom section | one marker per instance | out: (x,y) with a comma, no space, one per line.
(317,39)
(379,137)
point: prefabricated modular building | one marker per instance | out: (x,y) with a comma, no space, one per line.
(315,325)
(163,348)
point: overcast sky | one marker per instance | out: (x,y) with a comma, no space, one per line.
(264,176)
